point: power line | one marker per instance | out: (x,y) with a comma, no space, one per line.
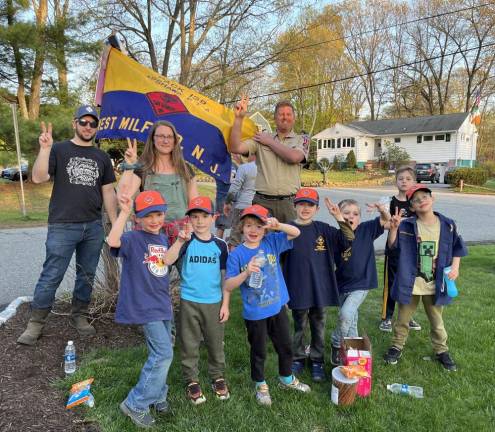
(377,29)
(388,68)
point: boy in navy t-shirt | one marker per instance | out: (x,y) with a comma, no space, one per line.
(144,298)
(203,307)
(356,270)
(264,309)
(309,271)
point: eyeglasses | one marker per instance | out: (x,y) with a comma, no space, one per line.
(420,199)
(93,124)
(164,137)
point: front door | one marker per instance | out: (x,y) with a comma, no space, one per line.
(378,147)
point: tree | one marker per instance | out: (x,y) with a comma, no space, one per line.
(351,160)
(394,155)
(324,165)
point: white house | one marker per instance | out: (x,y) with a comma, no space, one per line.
(448,139)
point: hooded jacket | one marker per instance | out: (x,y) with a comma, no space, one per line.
(405,248)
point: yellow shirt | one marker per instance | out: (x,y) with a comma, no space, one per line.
(276,176)
(429,236)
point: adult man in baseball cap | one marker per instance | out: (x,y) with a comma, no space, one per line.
(83,180)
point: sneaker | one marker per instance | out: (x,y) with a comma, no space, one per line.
(336,358)
(220,388)
(140,419)
(162,407)
(296,385)
(446,361)
(413,325)
(393,355)
(194,393)
(297,367)
(386,325)
(263,395)
(318,371)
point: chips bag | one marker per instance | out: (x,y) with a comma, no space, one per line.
(80,394)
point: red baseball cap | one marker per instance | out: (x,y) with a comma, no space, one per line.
(307,195)
(149,201)
(413,189)
(202,203)
(256,210)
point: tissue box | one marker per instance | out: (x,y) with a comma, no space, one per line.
(357,351)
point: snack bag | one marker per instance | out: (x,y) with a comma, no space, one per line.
(80,393)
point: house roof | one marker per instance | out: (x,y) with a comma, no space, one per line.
(437,123)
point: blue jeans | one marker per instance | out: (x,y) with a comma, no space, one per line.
(348,316)
(152,386)
(63,239)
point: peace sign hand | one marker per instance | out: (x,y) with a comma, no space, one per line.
(395,219)
(240,108)
(130,154)
(45,140)
(334,209)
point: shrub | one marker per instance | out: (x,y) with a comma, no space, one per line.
(489,166)
(351,159)
(472,176)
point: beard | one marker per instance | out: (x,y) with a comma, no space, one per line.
(83,138)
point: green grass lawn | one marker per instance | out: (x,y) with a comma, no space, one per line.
(460,401)
(351,178)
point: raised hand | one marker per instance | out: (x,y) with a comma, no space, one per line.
(272,224)
(185,233)
(240,108)
(395,219)
(46,139)
(125,203)
(333,209)
(130,154)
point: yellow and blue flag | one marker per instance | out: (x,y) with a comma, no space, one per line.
(134,97)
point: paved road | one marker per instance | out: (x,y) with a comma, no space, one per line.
(22,250)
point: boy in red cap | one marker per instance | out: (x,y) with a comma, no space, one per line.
(425,244)
(204,308)
(144,298)
(309,271)
(264,309)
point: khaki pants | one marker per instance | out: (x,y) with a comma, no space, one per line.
(235,238)
(438,335)
(282,209)
(200,322)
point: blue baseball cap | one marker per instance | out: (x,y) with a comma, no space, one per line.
(85,110)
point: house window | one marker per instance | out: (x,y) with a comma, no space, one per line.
(428,138)
(319,144)
(338,142)
(419,139)
(439,137)
(447,137)
(353,142)
(333,143)
(366,144)
(397,140)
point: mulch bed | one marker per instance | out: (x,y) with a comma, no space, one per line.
(28,401)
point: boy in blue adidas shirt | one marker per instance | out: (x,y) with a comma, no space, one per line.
(144,298)
(203,307)
(264,310)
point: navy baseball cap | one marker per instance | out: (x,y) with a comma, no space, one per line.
(85,110)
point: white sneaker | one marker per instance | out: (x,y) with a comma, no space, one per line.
(263,395)
(296,385)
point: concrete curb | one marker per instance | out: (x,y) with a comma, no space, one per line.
(11,309)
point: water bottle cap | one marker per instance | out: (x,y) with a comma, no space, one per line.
(70,343)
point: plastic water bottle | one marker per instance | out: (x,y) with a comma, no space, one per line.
(256,278)
(451,287)
(70,358)
(405,389)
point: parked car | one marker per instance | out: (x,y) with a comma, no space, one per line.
(427,172)
(12,173)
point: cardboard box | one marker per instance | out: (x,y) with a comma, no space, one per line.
(357,351)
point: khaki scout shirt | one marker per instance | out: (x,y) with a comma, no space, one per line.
(276,176)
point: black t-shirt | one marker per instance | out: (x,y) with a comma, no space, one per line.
(404,207)
(78,174)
